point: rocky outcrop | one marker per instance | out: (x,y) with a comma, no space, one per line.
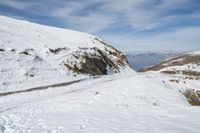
(193,96)
(94,61)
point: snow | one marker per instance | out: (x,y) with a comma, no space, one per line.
(120,103)
(190,67)
(29,58)
(193,66)
(51,36)
(194,53)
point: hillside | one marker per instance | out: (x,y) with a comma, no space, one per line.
(185,67)
(62,81)
(187,64)
(114,103)
(33,54)
(139,60)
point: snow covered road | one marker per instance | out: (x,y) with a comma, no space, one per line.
(111,104)
(44,87)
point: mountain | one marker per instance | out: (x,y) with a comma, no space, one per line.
(186,64)
(34,54)
(61,81)
(138,60)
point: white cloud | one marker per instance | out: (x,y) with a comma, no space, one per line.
(15,4)
(185,38)
(66,10)
(92,22)
(144,14)
(138,15)
(141,15)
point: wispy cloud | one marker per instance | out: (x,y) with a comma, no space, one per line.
(185,38)
(111,18)
(139,14)
(16,4)
(91,22)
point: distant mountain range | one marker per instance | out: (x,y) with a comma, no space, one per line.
(186,64)
(139,60)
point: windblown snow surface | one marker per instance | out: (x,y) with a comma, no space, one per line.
(33,54)
(126,102)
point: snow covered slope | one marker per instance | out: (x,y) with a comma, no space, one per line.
(187,64)
(45,87)
(111,104)
(33,54)
(185,67)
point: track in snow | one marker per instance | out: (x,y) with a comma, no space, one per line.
(44,87)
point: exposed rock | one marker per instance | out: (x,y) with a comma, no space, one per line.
(96,62)
(174,81)
(13,50)
(57,50)
(2,50)
(193,96)
(25,52)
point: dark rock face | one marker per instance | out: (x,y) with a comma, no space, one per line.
(93,66)
(193,97)
(56,51)
(2,50)
(96,62)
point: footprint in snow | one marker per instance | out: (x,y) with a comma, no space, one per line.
(82,126)
(2,129)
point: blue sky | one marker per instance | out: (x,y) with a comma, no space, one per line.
(129,25)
